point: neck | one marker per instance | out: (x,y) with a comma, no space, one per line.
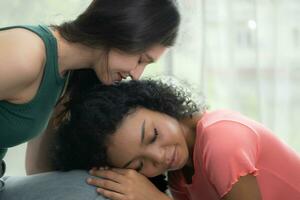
(189,126)
(73,56)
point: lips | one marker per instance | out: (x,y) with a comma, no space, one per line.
(119,77)
(171,160)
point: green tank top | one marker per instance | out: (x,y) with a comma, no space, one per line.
(21,122)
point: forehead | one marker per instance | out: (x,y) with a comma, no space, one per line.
(126,140)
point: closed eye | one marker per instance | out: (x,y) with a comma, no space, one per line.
(146,59)
(154,136)
(141,60)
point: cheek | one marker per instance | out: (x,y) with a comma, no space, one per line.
(100,69)
(99,72)
(174,133)
(121,63)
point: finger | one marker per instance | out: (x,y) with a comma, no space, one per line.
(107,184)
(110,194)
(124,172)
(108,174)
(128,172)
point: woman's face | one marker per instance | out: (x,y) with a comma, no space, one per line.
(149,142)
(120,65)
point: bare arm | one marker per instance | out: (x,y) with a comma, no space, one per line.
(245,189)
(38,152)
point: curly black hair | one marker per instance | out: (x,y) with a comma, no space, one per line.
(98,113)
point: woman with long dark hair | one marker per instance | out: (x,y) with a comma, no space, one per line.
(44,67)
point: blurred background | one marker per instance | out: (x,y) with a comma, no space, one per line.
(242,55)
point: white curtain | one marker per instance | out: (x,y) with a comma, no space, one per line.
(244,55)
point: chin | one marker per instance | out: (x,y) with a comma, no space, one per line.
(106,82)
(106,79)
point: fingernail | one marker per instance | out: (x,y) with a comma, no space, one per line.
(99,190)
(89,180)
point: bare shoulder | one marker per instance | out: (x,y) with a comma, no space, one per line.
(246,188)
(22,49)
(22,55)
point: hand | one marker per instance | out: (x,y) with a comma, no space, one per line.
(124,184)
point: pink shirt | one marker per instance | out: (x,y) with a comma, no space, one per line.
(229,145)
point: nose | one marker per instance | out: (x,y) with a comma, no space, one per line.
(136,73)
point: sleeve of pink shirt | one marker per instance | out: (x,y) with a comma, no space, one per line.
(230,150)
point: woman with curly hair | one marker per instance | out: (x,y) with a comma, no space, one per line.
(145,128)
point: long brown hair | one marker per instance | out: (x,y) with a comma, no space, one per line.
(131,26)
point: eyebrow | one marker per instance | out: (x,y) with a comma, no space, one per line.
(150,58)
(142,141)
